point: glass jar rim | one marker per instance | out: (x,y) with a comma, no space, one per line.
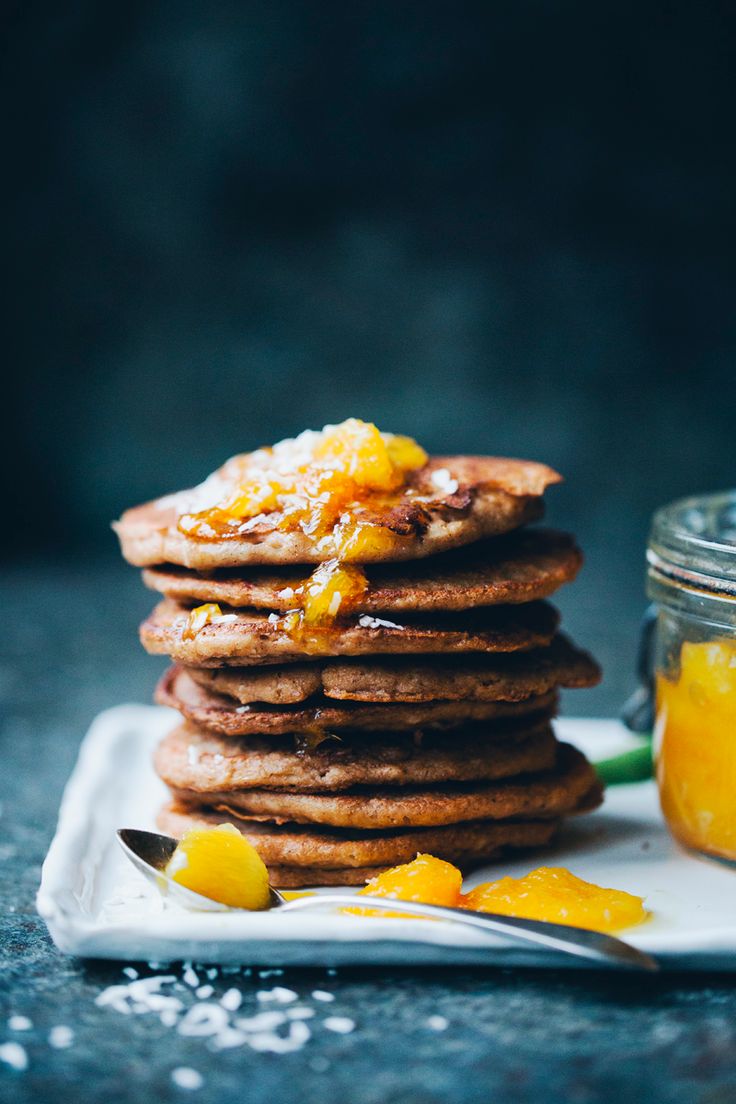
(693,542)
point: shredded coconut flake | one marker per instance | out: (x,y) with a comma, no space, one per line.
(228,1038)
(61,1037)
(438,1023)
(262,1021)
(190,978)
(19,1023)
(203,1019)
(322,995)
(278,995)
(184,1077)
(14,1055)
(231,1000)
(368,622)
(270,1043)
(444,481)
(343,1025)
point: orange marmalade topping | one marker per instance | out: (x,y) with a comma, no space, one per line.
(554,894)
(549,893)
(323,485)
(318,483)
(695,747)
(199,617)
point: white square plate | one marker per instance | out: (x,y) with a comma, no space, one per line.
(95,904)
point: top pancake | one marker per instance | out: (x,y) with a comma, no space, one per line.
(519,567)
(474,497)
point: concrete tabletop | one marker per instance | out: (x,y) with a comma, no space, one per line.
(372,1035)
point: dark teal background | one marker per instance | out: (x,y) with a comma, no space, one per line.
(504,227)
(500,227)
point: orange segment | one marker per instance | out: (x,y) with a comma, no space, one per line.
(427,879)
(220,864)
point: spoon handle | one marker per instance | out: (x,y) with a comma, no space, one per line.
(599,949)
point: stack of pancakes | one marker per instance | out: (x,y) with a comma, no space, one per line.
(418,721)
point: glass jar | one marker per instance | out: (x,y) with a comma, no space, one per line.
(692,581)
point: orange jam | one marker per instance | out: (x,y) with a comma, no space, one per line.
(333,587)
(554,894)
(220,864)
(323,485)
(199,617)
(695,747)
(427,879)
(549,893)
(318,483)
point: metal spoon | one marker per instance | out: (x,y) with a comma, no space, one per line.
(150,853)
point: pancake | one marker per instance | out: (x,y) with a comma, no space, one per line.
(198,762)
(296,877)
(450,502)
(220,714)
(406,679)
(318,851)
(245,638)
(522,567)
(555,793)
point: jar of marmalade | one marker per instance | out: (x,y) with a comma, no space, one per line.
(692,581)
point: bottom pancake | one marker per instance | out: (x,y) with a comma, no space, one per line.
(334,857)
(297,877)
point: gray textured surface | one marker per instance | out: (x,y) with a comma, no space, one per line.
(69,650)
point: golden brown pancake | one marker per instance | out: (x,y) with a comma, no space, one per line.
(554,793)
(199,762)
(407,678)
(490,495)
(325,855)
(250,637)
(220,714)
(521,567)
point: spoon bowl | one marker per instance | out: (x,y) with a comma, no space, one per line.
(150,853)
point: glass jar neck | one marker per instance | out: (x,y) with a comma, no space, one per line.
(692,558)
